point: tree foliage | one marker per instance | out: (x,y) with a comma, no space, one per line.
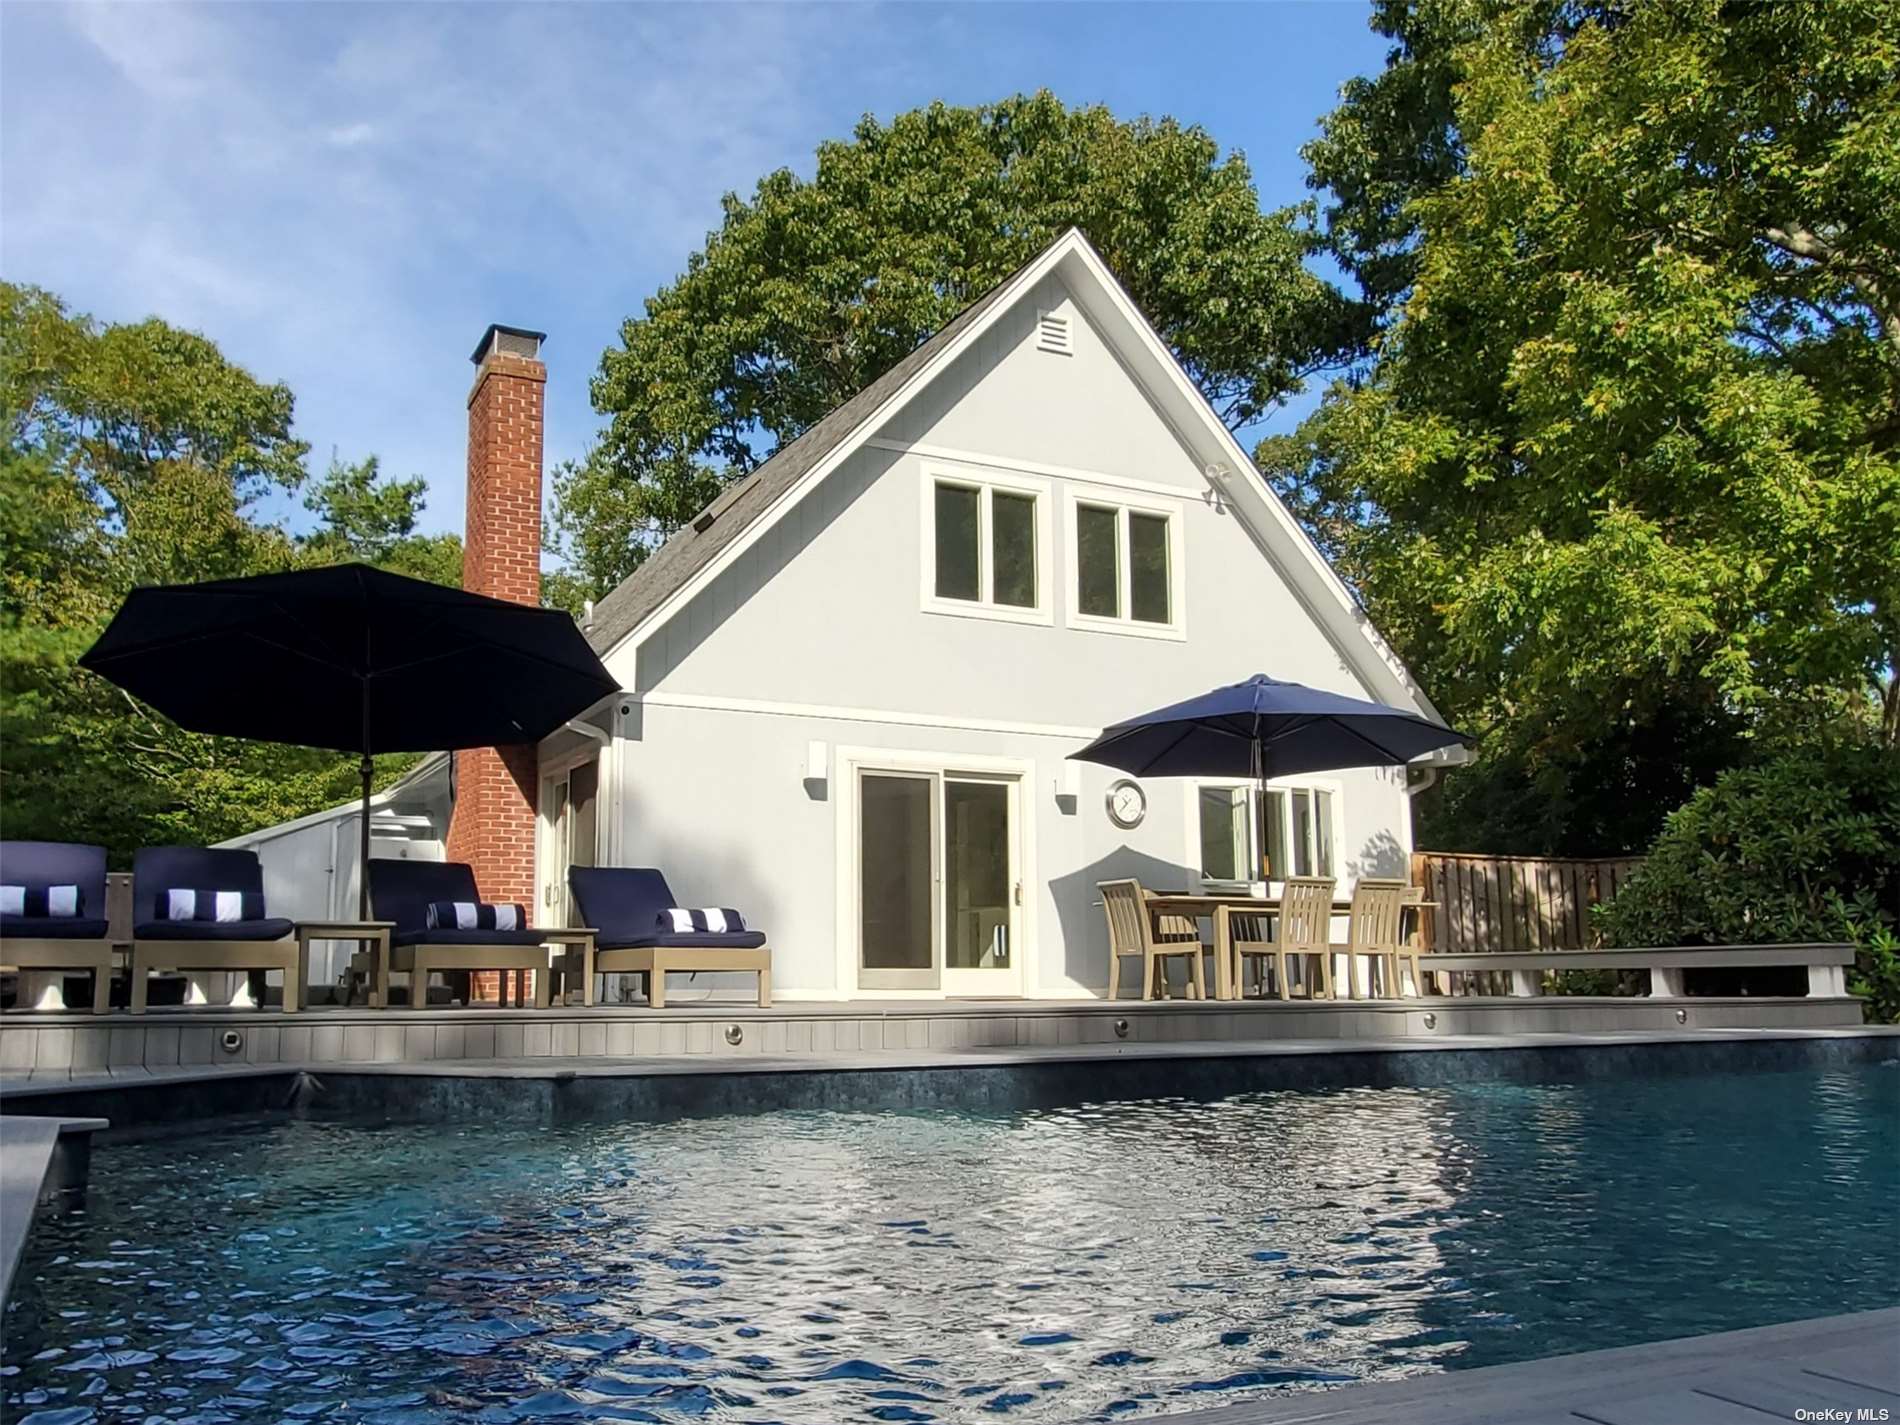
(1620,479)
(813,287)
(1802,847)
(134,454)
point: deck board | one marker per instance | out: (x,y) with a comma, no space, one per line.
(1752,1377)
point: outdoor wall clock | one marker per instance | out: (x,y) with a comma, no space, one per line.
(1127,804)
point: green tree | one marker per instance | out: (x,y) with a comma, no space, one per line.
(362,516)
(132,454)
(812,288)
(1620,480)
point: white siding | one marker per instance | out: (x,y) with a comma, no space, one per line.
(719,801)
(820,626)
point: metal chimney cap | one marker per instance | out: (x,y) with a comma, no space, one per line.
(515,341)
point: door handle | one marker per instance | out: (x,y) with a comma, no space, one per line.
(1019,893)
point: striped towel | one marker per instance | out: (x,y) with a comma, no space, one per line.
(40,902)
(476,915)
(716,922)
(220,906)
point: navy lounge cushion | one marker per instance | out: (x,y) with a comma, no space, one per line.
(51,927)
(37,865)
(624,903)
(433,936)
(697,939)
(403,890)
(158,870)
(269,928)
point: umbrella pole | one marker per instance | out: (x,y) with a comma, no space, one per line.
(368,769)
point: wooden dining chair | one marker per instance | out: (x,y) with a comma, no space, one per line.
(1378,906)
(1134,931)
(1302,929)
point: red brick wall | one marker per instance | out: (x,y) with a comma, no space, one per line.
(496,788)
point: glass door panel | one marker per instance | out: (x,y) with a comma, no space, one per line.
(978,888)
(897,858)
(982,880)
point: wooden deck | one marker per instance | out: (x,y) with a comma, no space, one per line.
(1848,1365)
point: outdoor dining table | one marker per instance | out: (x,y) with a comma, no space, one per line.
(1203,904)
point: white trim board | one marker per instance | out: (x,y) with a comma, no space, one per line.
(948,722)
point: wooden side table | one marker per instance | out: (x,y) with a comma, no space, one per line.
(373,933)
(581,938)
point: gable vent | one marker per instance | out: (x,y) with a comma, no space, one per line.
(1053,333)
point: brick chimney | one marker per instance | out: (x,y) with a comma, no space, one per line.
(492,827)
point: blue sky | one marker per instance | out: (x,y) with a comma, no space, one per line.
(343,196)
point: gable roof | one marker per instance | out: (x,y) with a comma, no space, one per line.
(691,548)
(744,511)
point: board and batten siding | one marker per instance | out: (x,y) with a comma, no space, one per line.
(821,626)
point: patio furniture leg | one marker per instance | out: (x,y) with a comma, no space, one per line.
(379,973)
(1326,976)
(1279,973)
(1114,974)
(1197,977)
(102,989)
(587,974)
(656,983)
(140,972)
(291,998)
(543,985)
(765,988)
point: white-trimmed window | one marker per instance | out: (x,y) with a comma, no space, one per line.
(985,548)
(1290,825)
(1127,562)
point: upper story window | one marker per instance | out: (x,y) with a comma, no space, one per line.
(986,547)
(1127,565)
(1290,826)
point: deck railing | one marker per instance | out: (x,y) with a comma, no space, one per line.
(1513,903)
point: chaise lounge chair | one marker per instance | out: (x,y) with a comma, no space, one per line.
(232,932)
(402,892)
(60,923)
(626,905)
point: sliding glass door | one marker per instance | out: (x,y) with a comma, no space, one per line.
(897,881)
(939,882)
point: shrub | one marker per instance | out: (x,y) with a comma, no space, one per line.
(1804,846)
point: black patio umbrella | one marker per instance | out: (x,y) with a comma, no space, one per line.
(351,658)
(1266,728)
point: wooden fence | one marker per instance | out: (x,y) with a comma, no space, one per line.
(1514,902)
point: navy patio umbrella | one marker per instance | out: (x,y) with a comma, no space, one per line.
(1266,728)
(352,658)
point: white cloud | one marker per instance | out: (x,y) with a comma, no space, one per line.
(342,196)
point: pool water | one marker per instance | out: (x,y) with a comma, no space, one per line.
(1126,1258)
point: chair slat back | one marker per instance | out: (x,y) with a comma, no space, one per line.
(1125,906)
(1244,927)
(1306,913)
(1172,928)
(1377,906)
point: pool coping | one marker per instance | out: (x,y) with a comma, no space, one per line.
(31,1153)
(1761,1372)
(558,1068)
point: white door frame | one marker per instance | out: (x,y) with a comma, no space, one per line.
(547,849)
(848,762)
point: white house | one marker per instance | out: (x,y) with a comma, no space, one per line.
(851,685)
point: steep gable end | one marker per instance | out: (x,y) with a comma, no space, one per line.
(743,513)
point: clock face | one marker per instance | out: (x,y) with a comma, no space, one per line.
(1127,804)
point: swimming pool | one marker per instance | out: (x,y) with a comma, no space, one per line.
(1091,1262)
